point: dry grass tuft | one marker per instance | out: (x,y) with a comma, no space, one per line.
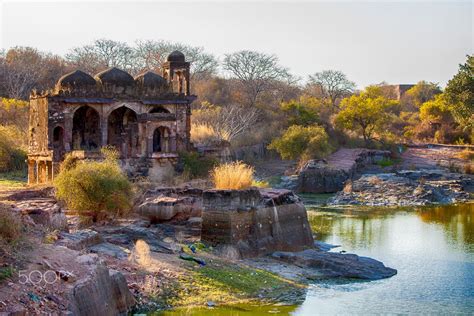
(466,154)
(141,253)
(205,134)
(232,176)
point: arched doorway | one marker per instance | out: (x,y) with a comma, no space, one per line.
(123,131)
(85,129)
(161,140)
(58,142)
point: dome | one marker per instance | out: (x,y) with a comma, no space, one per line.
(76,79)
(151,79)
(115,76)
(176,56)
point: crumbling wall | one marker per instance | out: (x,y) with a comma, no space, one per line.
(38,126)
(254,222)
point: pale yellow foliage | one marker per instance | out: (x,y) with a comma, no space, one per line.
(141,253)
(206,134)
(232,176)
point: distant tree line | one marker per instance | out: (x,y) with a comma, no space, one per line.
(248,97)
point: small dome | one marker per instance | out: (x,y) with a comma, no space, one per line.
(176,56)
(76,79)
(115,76)
(150,79)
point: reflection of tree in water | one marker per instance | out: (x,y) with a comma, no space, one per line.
(361,229)
(457,221)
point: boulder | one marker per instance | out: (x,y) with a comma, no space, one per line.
(79,240)
(337,265)
(164,208)
(103,293)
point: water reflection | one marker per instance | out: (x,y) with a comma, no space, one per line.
(366,226)
(431,247)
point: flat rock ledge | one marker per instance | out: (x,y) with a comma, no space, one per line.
(404,188)
(337,265)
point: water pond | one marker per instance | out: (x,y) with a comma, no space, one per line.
(431,247)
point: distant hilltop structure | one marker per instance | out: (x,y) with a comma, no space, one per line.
(396,91)
(147,118)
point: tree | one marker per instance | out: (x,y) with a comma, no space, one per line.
(152,54)
(420,93)
(365,113)
(460,93)
(303,111)
(24,68)
(227,121)
(101,54)
(332,84)
(299,142)
(255,71)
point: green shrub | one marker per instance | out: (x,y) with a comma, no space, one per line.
(302,142)
(10,225)
(385,162)
(195,166)
(95,188)
(12,153)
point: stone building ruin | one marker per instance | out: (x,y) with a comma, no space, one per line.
(147,118)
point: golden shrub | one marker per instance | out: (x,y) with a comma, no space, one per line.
(232,176)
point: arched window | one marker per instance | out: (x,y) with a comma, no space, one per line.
(86,129)
(159,109)
(161,140)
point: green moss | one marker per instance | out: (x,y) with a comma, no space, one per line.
(220,282)
(386,162)
(6,272)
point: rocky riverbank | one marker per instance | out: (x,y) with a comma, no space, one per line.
(406,188)
(155,260)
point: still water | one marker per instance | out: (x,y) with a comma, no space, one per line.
(431,247)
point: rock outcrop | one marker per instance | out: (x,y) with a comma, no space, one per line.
(329,176)
(405,188)
(255,222)
(104,292)
(337,265)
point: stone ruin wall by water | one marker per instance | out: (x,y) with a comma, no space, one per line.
(255,222)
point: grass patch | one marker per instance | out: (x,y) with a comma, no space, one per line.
(223,283)
(6,273)
(13,179)
(385,162)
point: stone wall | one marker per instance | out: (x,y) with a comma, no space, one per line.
(255,222)
(321,176)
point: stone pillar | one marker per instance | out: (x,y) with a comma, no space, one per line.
(68,132)
(104,129)
(42,171)
(50,171)
(31,172)
(142,139)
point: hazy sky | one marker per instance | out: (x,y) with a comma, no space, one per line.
(397,42)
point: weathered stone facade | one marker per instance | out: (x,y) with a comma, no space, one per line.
(255,222)
(147,118)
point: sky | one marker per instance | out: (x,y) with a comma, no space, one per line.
(370,41)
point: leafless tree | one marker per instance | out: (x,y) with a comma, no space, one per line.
(255,71)
(101,54)
(332,85)
(228,121)
(152,54)
(24,68)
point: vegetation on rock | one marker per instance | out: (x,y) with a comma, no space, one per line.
(232,176)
